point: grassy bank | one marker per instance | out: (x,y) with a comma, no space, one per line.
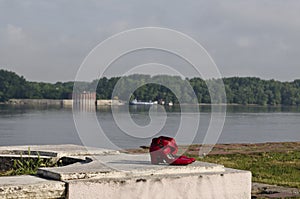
(270,163)
(279,168)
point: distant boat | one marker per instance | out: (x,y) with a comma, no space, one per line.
(135,102)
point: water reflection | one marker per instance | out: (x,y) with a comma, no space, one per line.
(207,108)
(22,125)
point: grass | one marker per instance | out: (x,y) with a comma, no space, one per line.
(27,166)
(275,163)
(278,168)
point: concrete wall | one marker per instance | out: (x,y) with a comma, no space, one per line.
(67,102)
(64,102)
(35,102)
(231,184)
(31,187)
(120,175)
(109,102)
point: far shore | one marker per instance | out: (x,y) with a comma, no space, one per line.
(108,102)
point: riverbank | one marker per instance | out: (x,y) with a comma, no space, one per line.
(275,167)
(238,148)
(108,102)
(59,102)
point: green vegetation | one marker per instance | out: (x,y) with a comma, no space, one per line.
(276,163)
(14,86)
(27,165)
(239,90)
(279,168)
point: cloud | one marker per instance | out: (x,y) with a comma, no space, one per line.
(41,38)
(244,42)
(15,33)
(280,14)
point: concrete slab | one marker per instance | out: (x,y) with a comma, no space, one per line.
(122,165)
(133,176)
(111,174)
(230,183)
(14,156)
(30,187)
(56,150)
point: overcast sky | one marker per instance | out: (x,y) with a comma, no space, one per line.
(47,40)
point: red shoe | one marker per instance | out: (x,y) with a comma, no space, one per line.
(164,156)
(172,143)
(192,159)
(163,150)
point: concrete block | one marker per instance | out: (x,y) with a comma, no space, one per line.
(231,184)
(67,102)
(133,176)
(122,165)
(109,102)
(31,187)
(63,150)
(111,174)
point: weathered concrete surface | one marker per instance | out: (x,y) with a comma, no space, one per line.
(31,187)
(132,176)
(122,165)
(109,102)
(35,102)
(56,150)
(231,184)
(111,174)
(67,102)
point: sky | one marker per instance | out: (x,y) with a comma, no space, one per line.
(47,40)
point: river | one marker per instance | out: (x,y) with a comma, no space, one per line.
(22,125)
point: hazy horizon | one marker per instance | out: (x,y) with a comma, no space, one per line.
(48,40)
(146,74)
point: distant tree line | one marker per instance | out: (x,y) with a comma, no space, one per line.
(14,86)
(239,90)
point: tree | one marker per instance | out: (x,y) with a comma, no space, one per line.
(240,90)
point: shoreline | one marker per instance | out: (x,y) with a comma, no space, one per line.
(274,165)
(232,148)
(259,158)
(108,102)
(280,145)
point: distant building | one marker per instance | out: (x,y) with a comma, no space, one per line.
(85,98)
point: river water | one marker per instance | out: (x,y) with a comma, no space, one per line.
(21,125)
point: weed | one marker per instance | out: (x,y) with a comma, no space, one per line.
(28,165)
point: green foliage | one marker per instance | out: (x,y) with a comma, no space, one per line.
(11,85)
(14,86)
(28,165)
(279,168)
(239,90)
